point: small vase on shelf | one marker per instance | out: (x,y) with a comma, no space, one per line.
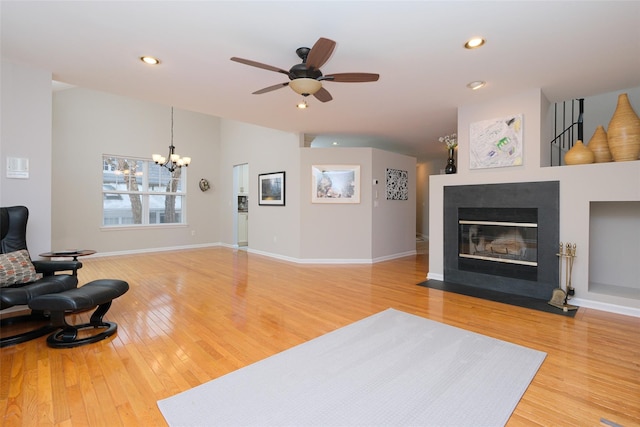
(451,141)
(599,145)
(579,154)
(451,164)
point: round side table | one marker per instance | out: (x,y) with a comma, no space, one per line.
(72,253)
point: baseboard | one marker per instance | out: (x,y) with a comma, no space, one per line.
(435,276)
(603,306)
(151,250)
(332,260)
(264,253)
(394,256)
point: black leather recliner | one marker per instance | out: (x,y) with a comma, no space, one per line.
(13,231)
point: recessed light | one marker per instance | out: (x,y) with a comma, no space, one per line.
(335,143)
(476,85)
(149,60)
(474,42)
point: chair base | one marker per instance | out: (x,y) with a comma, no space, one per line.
(68,336)
(27,335)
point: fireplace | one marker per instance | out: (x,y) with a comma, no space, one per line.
(503,237)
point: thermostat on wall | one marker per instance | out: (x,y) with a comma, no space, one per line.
(17,168)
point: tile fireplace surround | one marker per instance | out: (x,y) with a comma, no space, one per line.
(543,197)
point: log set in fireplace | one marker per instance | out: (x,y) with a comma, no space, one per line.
(503,237)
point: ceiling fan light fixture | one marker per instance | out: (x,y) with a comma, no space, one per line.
(305,86)
(302,105)
(475,85)
(474,42)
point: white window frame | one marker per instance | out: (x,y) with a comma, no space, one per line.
(145,194)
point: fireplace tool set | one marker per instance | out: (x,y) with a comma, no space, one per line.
(560,296)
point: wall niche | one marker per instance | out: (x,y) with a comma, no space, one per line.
(614,248)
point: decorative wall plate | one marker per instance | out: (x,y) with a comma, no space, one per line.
(204,185)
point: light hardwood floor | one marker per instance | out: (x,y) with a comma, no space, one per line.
(194,315)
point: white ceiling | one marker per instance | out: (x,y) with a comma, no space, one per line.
(567,49)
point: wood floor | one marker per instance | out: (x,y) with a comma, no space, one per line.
(194,315)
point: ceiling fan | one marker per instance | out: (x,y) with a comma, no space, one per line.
(306,78)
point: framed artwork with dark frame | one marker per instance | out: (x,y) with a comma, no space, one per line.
(335,184)
(271,189)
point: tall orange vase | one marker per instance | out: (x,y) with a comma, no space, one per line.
(623,133)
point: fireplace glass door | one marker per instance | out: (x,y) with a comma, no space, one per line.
(498,241)
(514,243)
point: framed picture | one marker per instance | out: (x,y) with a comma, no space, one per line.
(271,189)
(335,184)
(496,143)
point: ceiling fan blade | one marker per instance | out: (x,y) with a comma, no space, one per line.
(352,77)
(259,65)
(323,95)
(270,88)
(320,53)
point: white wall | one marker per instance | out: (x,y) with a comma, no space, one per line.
(579,185)
(25,132)
(272,229)
(334,232)
(393,221)
(89,124)
(423,171)
(372,230)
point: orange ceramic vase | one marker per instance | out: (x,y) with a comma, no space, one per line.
(579,154)
(623,133)
(599,145)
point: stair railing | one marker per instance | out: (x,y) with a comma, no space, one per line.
(564,140)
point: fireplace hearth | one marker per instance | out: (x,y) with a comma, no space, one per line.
(503,237)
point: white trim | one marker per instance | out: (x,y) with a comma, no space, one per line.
(603,306)
(263,253)
(395,256)
(150,250)
(332,260)
(122,227)
(435,276)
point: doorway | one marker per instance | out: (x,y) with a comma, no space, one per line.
(241,204)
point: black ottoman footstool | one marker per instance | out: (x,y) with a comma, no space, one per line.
(97,293)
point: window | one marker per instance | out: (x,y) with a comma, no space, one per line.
(139,192)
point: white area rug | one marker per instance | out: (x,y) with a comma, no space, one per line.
(389,369)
